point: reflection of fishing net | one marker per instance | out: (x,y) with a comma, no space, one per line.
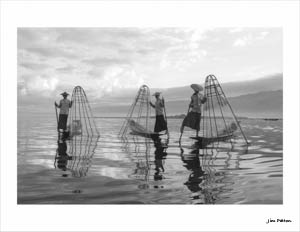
(139,150)
(81,149)
(138,117)
(219,122)
(81,120)
(210,180)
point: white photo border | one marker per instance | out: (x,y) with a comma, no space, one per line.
(16,14)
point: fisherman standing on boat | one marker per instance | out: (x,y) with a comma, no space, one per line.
(160,122)
(193,117)
(64,106)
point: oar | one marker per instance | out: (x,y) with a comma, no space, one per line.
(56,114)
(167,132)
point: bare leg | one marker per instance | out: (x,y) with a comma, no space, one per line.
(181,130)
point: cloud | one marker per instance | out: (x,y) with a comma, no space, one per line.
(37,85)
(114,79)
(97,36)
(53,52)
(250,39)
(263,35)
(236,30)
(106,62)
(34,66)
(66,69)
(241,42)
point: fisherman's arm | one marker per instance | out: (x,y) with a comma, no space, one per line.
(151,104)
(58,106)
(71,103)
(162,103)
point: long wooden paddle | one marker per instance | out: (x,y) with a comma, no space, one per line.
(167,131)
(56,114)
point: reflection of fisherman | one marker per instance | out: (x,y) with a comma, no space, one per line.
(64,105)
(160,122)
(193,117)
(160,155)
(192,163)
(63,157)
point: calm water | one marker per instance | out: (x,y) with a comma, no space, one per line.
(139,171)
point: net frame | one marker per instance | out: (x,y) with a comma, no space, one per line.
(82,149)
(218,114)
(139,110)
(81,120)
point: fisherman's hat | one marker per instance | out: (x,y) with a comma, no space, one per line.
(156,93)
(197,87)
(64,94)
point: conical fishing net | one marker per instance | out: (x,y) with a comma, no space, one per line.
(81,120)
(138,117)
(218,123)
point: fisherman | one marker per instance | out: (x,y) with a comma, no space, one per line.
(64,106)
(160,122)
(193,117)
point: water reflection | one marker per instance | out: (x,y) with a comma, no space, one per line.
(74,156)
(210,171)
(230,176)
(139,148)
(160,155)
(62,158)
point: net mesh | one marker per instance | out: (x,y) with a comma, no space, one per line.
(138,116)
(81,120)
(218,119)
(81,149)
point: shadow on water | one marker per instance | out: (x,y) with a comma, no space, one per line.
(74,156)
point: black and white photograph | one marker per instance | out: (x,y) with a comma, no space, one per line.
(149,115)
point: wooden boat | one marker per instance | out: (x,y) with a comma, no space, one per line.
(208,140)
(137,129)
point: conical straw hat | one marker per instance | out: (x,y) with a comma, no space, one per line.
(196,87)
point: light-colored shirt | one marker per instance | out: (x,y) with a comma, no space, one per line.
(65,105)
(196,102)
(159,107)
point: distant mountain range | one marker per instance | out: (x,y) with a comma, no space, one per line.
(231,89)
(263,104)
(257,98)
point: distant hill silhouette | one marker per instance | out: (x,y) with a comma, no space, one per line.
(231,89)
(262,104)
(256,98)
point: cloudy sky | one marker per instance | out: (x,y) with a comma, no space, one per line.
(106,60)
